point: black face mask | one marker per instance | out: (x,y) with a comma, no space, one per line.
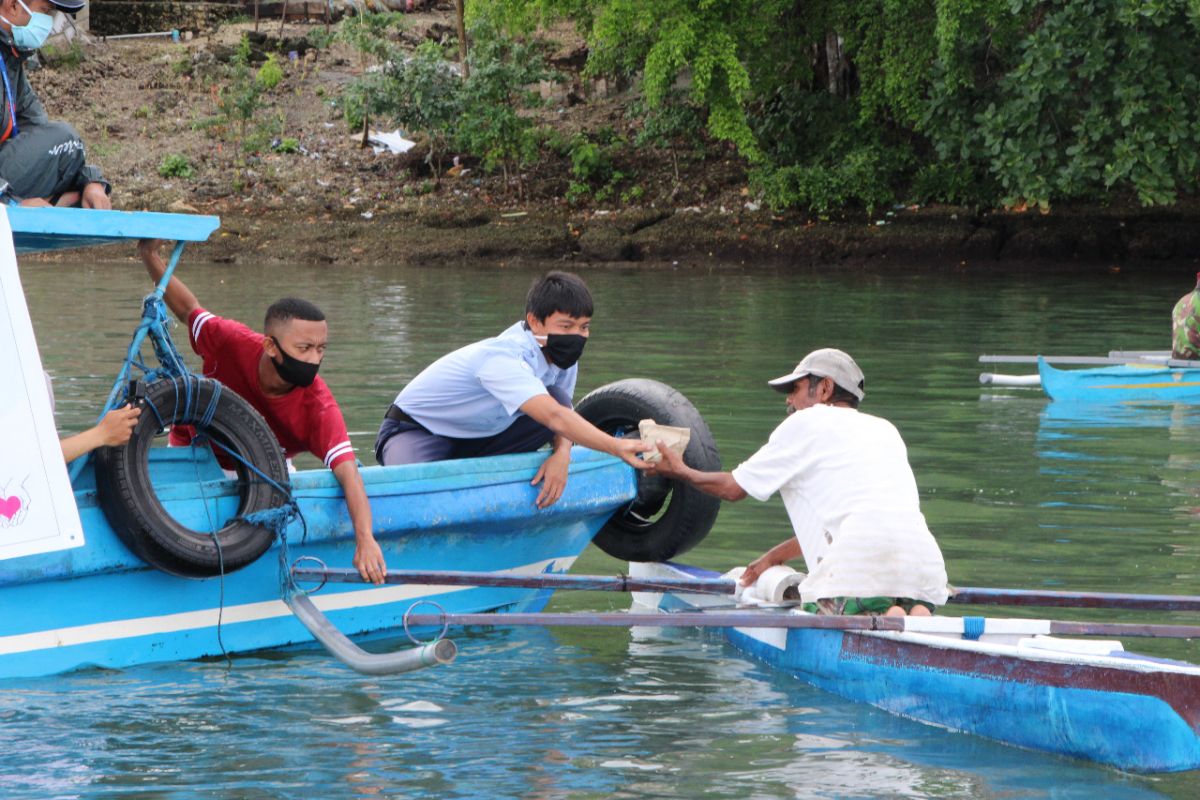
(293,370)
(564,349)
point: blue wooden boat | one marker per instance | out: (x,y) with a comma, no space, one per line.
(1122,383)
(74,594)
(1007,680)
(1120,377)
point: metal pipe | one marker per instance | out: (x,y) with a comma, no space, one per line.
(1100,361)
(592,583)
(963,595)
(443,651)
(970,595)
(750,619)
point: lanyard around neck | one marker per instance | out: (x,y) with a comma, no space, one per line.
(11,129)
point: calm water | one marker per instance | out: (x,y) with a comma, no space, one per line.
(1019,492)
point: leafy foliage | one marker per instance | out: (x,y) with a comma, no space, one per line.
(482,114)
(861,102)
(176,165)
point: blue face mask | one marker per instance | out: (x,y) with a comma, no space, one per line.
(34,33)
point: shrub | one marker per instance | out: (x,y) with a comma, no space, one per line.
(176,165)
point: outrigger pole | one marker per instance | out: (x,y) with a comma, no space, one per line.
(965,595)
(750,619)
(1116,358)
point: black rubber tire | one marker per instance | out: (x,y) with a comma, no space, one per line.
(643,531)
(139,519)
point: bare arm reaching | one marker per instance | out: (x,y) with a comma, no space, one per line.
(368,557)
(179,297)
(567,423)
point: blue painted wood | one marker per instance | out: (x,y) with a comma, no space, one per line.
(1133,732)
(1121,384)
(99,605)
(37,230)
(1131,717)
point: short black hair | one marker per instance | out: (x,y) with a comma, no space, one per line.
(558,291)
(286,309)
(840,395)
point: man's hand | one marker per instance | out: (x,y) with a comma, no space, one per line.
(670,466)
(628,451)
(35,202)
(117,426)
(94,196)
(368,560)
(756,567)
(552,474)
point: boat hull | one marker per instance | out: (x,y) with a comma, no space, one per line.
(1121,384)
(1131,712)
(98,605)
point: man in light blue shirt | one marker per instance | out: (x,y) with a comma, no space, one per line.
(508,394)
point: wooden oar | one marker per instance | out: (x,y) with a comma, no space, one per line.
(623,583)
(747,619)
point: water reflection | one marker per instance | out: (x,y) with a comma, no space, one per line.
(1019,492)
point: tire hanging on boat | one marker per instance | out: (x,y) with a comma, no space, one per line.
(667,517)
(134,510)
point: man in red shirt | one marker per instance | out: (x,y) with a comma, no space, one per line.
(276,372)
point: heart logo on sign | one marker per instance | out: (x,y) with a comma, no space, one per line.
(9,506)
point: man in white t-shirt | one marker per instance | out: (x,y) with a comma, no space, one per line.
(849,491)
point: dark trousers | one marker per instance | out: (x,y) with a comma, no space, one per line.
(409,443)
(43,161)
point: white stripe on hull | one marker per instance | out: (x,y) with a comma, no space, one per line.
(245,612)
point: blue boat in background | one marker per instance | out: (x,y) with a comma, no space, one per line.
(76,589)
(1126,383)
(1148,376)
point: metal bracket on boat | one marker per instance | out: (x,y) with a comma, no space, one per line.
(324,570)
(441,651)
(441,613)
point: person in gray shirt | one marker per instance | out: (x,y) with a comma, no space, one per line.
(42,163)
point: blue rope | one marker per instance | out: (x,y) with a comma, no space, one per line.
(207,417)
(973,627)
(277,519)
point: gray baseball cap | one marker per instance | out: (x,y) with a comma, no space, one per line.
(825,363)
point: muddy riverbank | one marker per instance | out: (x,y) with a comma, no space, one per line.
(152,115)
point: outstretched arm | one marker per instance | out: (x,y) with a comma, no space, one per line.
(112,431)
(179,297)
(718,484)
(780,553)
(568,424)
(368,557)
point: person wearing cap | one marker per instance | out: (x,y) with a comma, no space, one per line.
(850,494)
(42,163)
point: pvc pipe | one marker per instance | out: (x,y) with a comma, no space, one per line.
(995,379)
(174,34)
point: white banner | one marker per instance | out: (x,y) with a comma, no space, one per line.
(37,507)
